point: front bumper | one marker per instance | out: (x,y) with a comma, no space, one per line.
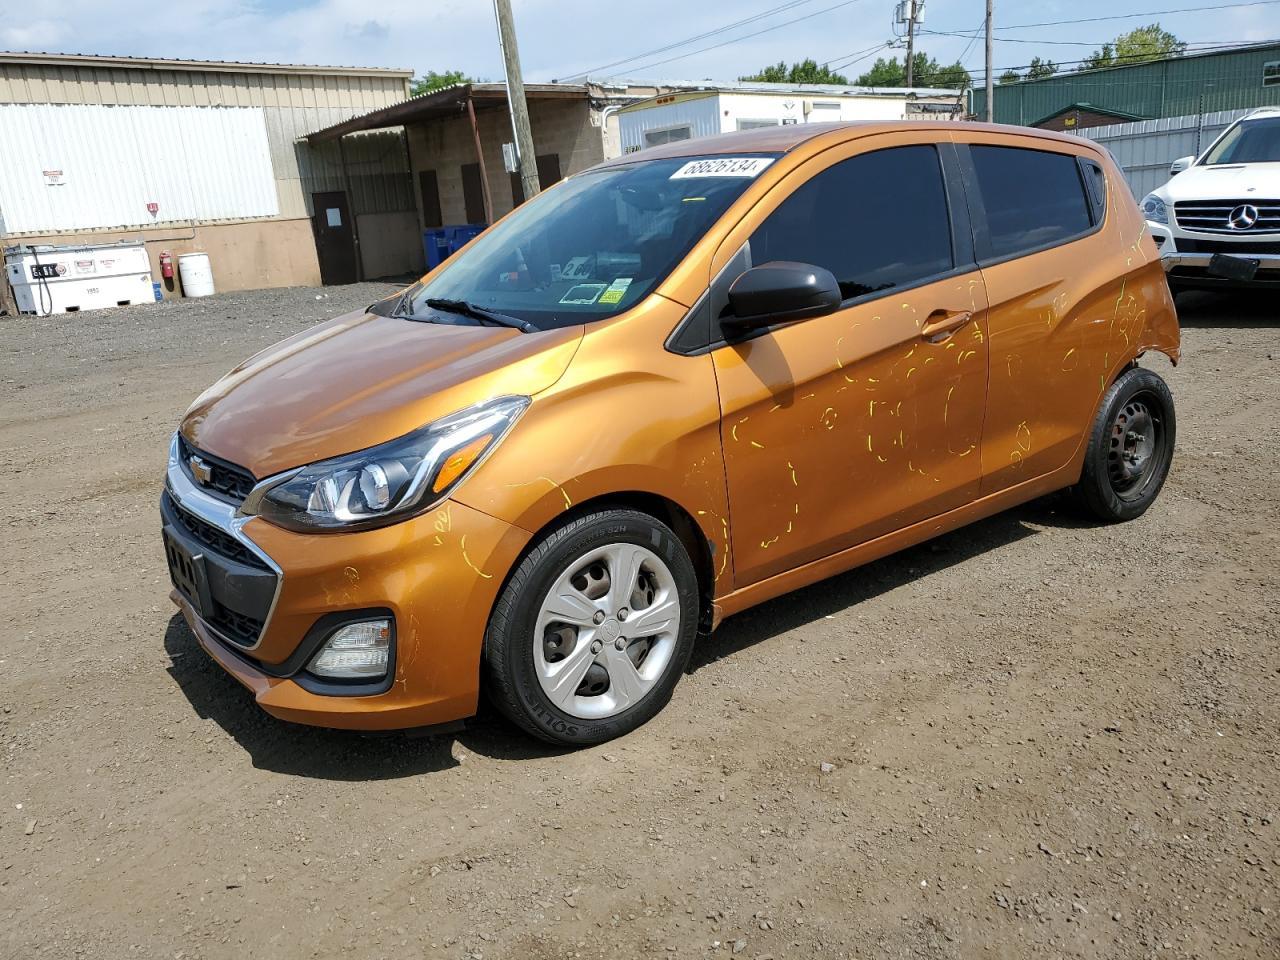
(436,575)
(1184,264)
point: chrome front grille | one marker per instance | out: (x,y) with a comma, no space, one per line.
(1215,216)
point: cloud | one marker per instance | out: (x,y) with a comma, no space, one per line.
(42,35)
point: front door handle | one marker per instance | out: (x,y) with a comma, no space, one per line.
(941,324)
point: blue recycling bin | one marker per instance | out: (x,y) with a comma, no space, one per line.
(439,242)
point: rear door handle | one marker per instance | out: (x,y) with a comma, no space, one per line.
(941,324)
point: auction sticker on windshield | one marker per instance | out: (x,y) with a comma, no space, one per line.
(748,167)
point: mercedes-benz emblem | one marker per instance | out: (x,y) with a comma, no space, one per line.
(1242,217)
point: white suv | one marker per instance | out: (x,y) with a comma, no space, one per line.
(1217,221)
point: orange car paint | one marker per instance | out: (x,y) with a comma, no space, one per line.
(795,456)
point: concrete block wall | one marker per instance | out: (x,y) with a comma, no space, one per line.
(563,127)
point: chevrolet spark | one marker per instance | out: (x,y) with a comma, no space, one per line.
(671,387)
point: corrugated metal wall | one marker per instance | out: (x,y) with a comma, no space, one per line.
(1145,149)
(1231,80)
(88,166)
(292,104)
(699,111)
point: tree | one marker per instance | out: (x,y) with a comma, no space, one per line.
(1141,43)
(435,81)
(927,71)
(1009,76)
(806,71)
(1040,69)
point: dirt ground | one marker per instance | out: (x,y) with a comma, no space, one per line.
(1044,738)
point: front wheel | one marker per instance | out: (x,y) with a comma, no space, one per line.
(593,630)
(1130,448)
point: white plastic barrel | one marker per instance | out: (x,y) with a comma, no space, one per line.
(196,274)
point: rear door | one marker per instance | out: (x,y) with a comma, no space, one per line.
(1055,283)
(842,428)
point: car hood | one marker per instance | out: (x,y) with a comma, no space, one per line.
(1240,181)
(363,379)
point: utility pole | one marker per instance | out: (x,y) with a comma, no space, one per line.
(911,41)
(515,97)
(991,80)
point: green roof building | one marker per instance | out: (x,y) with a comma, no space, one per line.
(1234,79)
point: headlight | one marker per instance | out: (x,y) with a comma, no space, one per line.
(391,481)
(1153,209)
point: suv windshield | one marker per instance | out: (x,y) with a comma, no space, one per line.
(1252,141)
(593,246)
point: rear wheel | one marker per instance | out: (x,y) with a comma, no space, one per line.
(1130,448)
(594,628)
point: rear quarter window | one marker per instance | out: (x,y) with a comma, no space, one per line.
(1033,199)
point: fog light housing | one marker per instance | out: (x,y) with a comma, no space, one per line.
(355,651)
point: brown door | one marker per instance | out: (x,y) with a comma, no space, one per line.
(473,193)
(548,173)
(430,188)
(335,241)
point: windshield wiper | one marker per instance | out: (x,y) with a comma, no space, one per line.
(464,308)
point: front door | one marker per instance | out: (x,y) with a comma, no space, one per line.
(846,427)
(335,241)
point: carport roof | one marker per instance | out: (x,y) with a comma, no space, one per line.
(443,103)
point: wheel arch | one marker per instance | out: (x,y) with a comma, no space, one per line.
(668,511)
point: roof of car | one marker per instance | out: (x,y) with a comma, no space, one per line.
(783,139)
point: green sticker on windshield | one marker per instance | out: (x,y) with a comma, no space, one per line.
(615,291)
(583,293)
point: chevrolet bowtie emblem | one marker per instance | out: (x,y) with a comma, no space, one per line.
(200,469)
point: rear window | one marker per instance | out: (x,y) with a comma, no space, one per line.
(1033,199)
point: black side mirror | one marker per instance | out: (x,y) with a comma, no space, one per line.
(780,292)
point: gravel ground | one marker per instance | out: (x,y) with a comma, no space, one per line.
(1030,738)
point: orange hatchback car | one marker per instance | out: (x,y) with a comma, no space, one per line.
(670,387)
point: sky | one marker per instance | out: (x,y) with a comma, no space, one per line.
(561,38)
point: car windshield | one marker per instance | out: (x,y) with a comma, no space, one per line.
(594,245)
(1252,141)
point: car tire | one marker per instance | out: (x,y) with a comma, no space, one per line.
(1130,448)
(560,662)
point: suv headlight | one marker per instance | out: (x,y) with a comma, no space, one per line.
(389,482)
(1153,209)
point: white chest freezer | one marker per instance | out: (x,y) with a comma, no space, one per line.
(58,279)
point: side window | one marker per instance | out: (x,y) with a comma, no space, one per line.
(1096,182)
(877,221)
(1032,198)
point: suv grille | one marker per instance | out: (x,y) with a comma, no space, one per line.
(1183,245)
(217,540)
(226,480)
(1214,216)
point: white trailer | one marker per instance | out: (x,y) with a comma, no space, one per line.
(700,113)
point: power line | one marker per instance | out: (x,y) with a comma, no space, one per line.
(781,8)
(858,55)
(1064,43)
(976,74)
(746,36)
(1134,16)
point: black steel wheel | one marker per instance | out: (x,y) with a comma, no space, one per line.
(1130,448)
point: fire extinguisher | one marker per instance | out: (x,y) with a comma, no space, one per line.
(166,264)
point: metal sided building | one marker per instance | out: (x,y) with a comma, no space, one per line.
(720,108)
(1195,83)
(201,156)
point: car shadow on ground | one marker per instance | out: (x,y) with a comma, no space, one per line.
(1229,308)
(303,751)
(846,590)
